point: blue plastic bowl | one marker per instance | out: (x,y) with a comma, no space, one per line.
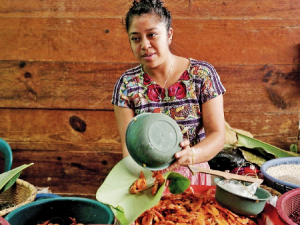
(58,210)
(273,182)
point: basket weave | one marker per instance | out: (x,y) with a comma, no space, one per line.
(19,194)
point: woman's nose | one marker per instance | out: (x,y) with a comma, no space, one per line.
(145,43)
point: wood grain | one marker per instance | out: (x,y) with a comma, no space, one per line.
(179,9)
(75,39)
(59,61)
(68,85)
(29,129)
(51,130)
(66,171)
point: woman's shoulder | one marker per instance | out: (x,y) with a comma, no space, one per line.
(131,73)
(197,63)
(198,66)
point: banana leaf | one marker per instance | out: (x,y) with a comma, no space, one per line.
(8,178)
(253,150)
(252,143)
(127,207)
(253,158)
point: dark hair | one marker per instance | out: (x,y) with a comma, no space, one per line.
(148,7)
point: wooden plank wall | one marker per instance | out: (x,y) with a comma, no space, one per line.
(59,61)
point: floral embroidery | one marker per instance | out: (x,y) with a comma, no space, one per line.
(147,79)
(178,90)
(155,92)
(182,101)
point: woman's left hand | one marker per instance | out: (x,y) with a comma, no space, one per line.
(184,157)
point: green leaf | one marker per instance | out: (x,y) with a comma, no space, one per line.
(252,143)
(294,148)
(115,190)
(119,213)
(253,158)
(8,178)
(178,183)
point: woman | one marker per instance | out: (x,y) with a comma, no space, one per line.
(187,90)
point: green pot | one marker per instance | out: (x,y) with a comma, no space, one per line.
(152,139)
(240,204)
(58,210)
(7,154)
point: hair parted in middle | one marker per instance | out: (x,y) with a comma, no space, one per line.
(148,7)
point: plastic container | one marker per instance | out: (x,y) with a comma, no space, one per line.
(240,204)
(7,154)
(58,210)
(288,203)
(3,221)
(152,139)
(41,196)
(275,183)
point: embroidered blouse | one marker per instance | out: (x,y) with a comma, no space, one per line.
(182,101)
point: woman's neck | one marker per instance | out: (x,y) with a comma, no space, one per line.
(162,73)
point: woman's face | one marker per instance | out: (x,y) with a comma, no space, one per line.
(149,40)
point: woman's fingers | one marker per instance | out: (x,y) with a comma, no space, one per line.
(184,143)
(183,157)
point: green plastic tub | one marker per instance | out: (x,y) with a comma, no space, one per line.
(240,204)
(58,210)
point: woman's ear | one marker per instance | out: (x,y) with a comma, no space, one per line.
(170,35)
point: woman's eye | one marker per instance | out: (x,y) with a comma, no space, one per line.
(135,39)
(152,34)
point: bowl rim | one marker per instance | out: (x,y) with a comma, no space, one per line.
(276,162)
(259,199)
(70,199)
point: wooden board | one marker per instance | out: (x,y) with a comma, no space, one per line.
(51,129)
(66,171)
(85,39)
(68,85)
(63,130)
(179,9)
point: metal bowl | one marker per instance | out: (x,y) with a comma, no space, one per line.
(240,204)
(58,210)
(152,139)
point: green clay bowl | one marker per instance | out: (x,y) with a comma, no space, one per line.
(240,204)
(152,139)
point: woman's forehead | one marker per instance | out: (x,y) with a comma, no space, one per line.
(145,22)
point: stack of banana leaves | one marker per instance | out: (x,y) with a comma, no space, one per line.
(240,147)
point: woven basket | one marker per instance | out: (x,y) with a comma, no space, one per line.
(19,194)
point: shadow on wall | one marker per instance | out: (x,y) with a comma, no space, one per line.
(284,88)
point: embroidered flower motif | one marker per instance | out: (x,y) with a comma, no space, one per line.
(136,79)
(184,76)
(178,90)
(155,92)
(147,79)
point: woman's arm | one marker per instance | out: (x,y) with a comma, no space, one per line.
(123,117)
(214,125)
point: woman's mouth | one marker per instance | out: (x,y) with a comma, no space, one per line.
(148,56)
